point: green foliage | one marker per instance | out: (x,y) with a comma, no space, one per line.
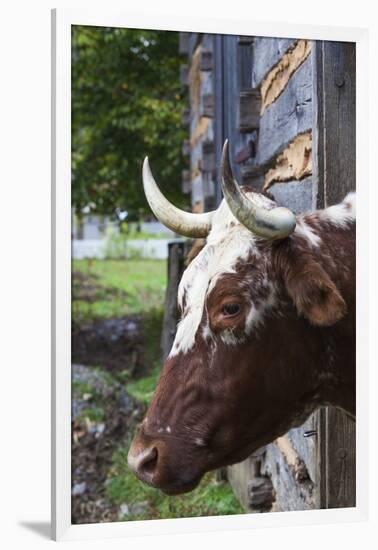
(143,389)
(209,498)
(93,413)
(132,286)
(126,103)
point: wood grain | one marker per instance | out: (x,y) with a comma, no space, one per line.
(294,163)
(334,167)
(276,80)
(266,53)
(288,116)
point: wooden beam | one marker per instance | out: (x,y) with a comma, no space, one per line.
(185,117)
(266,54)
(245,40)
(250,106)
(184,74)
(184,42)
(334,82)
(276,80)
(186,181)
(206,60)
(185,148)
(296,195)
(207,105)
(294,163)
(288,116)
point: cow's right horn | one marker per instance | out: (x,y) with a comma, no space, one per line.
(276,223)
(179,221)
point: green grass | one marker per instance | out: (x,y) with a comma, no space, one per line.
(123,287)
(143,388)
(208,499)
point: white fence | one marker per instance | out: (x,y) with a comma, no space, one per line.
(139,248)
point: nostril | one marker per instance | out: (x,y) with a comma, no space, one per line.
(143,463)
(149,461)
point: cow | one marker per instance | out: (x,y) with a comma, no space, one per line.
(267,332)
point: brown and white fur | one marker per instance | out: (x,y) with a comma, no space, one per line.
(233,383)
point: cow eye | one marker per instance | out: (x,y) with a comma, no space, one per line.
(229,310)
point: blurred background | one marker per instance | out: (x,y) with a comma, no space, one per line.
(127,102)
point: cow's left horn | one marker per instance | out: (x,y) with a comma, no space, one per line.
(179,221)
(272,224)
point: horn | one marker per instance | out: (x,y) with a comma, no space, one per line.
(272,224)
(179,221)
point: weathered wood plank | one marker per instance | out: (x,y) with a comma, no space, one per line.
(207,105)
(245,40)
(341,451)
(296,195)
(206,60)
(194,39)
(185,181)
(307,446)
(249,110)
(295,161)
(184,74)
(288,116)
(266,53)
(276,80)
(175,271)
(335,79)
(334,169)
(293,492)
(184,42)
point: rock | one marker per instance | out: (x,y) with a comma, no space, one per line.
(114,344)
(139,508)
(124,510)
(79,489)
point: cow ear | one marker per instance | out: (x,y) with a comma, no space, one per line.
(313,292)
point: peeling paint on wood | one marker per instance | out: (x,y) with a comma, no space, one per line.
(267,51)
(194,79)
(292,458)
(294,163)
(288,116)
(275,82)
(199,130)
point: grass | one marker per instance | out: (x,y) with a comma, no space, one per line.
(143,388)
(210,498)
(123,287)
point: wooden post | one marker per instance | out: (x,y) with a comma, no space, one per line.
(176,254)
(334,169)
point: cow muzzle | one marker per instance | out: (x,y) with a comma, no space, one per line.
(143,462)
(153,463)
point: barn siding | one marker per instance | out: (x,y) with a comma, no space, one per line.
(293,472)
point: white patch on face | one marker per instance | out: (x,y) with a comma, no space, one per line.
(227,243)
(341,214)
(306,232)
(255,316)
(229,338)
(168,429)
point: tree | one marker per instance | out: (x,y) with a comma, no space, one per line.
(126,103)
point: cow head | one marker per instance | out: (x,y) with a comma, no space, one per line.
(238,374)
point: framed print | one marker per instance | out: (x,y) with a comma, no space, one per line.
(208,346)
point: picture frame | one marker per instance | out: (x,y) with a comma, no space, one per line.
(62,528)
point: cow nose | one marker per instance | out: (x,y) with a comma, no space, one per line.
(143,463)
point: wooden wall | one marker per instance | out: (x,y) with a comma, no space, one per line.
(287,107)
